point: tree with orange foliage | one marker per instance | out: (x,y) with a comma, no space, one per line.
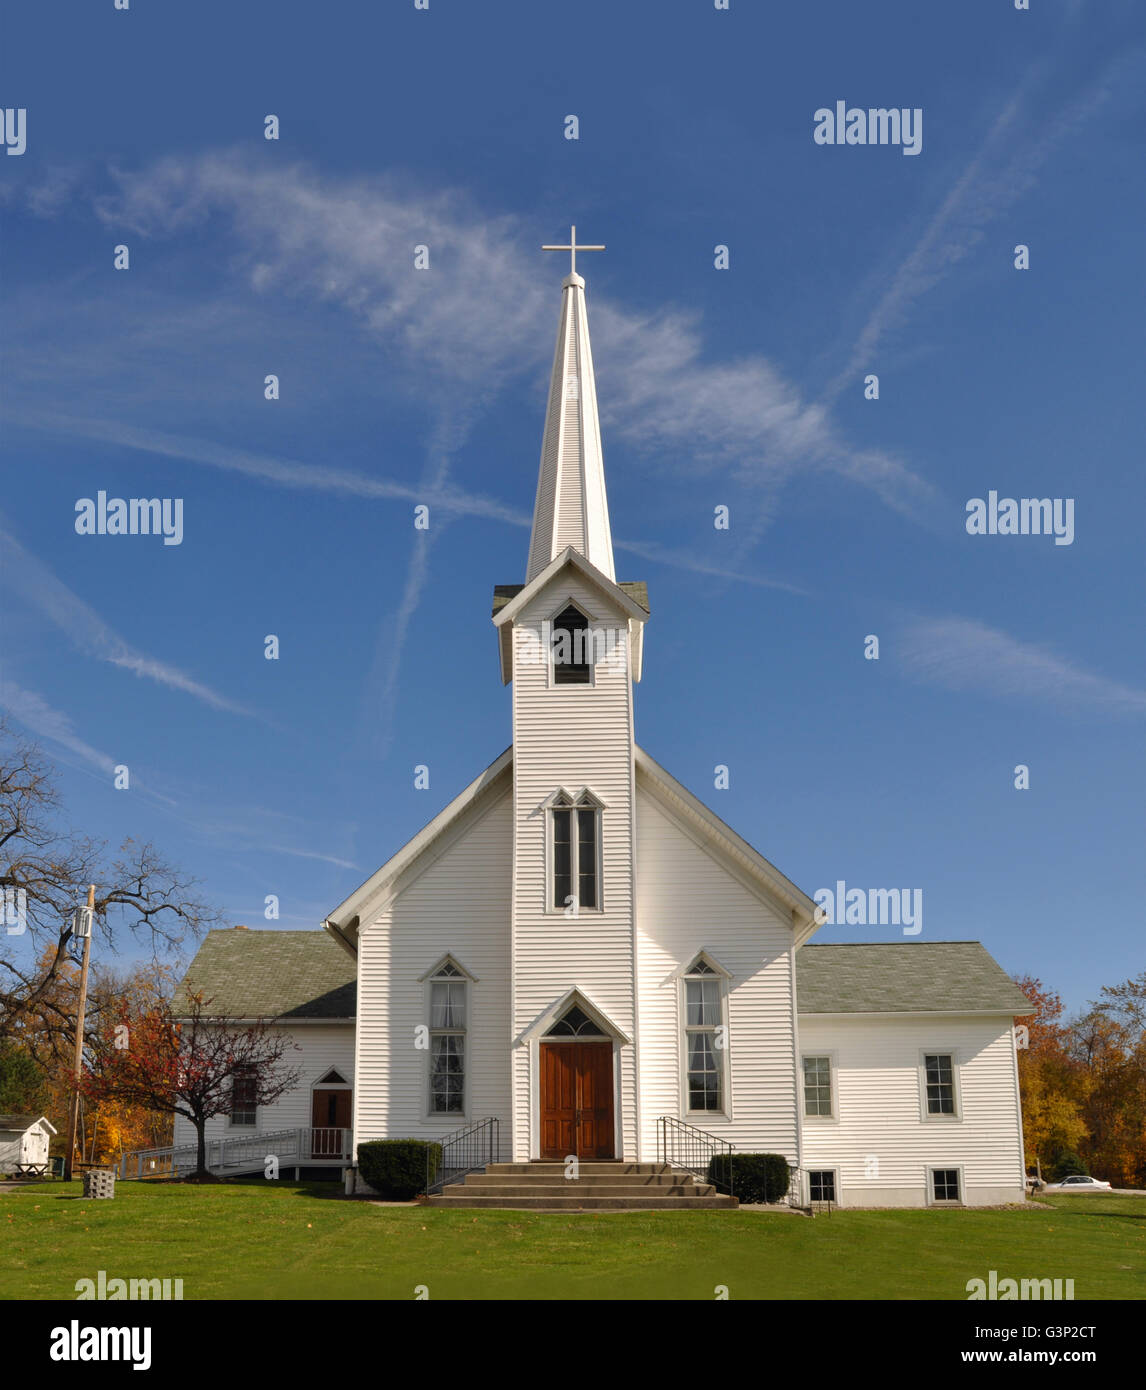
(1109,1042)
(1051,1083)
(45,1037)
(186,1064)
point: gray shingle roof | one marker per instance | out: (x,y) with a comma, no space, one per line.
(637,590)
(18,1123)
(305,974)
(902,977)
(273,974)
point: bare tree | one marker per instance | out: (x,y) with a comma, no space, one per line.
(44,873)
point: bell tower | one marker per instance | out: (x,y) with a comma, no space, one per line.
(571,643)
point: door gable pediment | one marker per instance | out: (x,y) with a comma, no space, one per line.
(573,998)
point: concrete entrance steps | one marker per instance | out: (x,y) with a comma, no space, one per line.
(600,1186)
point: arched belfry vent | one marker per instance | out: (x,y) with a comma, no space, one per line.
(575,1023)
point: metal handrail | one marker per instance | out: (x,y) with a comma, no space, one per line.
(684,1146)
(240,1150)
(464,1151)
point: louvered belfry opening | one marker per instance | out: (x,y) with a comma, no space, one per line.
(572,648)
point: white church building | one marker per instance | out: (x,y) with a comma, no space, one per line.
(578,949)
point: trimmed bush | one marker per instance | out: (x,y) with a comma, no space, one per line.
(1066,1165)
(755,1177)
(396,1168)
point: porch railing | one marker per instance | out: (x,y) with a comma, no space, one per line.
(464,1151)
(696,1151)
(329,1143)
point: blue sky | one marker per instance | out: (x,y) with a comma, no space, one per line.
(742,387)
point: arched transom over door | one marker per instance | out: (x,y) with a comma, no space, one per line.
(576,1089)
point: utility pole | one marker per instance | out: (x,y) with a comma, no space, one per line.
(84,925)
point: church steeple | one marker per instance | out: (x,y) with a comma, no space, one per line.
(571,548)
(571,508)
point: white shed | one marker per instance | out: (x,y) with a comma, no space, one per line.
(24,1139)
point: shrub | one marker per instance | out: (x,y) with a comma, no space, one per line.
(396,1168)
(754,1177)
(1066,1165)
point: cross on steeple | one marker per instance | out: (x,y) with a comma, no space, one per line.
(573,248)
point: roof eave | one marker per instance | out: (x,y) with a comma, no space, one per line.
(610,588)
(778,888)
(911,1013)
(374,887)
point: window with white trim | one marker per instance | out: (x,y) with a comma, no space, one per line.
(822,1185)
(575,852)
(447,1040)
(818,1086)
(945,1185)
(703,1033)
(939,1081)
(244,1093)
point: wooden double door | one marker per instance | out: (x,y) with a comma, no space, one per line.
(577,1099)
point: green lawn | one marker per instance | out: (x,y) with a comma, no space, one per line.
(281,1240)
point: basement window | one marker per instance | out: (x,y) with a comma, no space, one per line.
(945,1185)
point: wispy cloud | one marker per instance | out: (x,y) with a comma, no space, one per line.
(681,560)
(474,319)
(286,473)
(1004,168)
(740,417)
(34,712)
(311,854)
(960,654)
(27,576)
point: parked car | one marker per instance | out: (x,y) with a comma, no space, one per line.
(1078,1183)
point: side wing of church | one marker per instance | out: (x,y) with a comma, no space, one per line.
(579,949)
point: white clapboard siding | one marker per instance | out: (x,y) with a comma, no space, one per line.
(320,1047)
(879,1141)
(688,902)
(572,736)
(457,905)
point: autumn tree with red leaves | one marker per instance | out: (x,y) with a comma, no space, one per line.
(187,1063)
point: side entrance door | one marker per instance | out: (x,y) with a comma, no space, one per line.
(330,1115)
(577,1100)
